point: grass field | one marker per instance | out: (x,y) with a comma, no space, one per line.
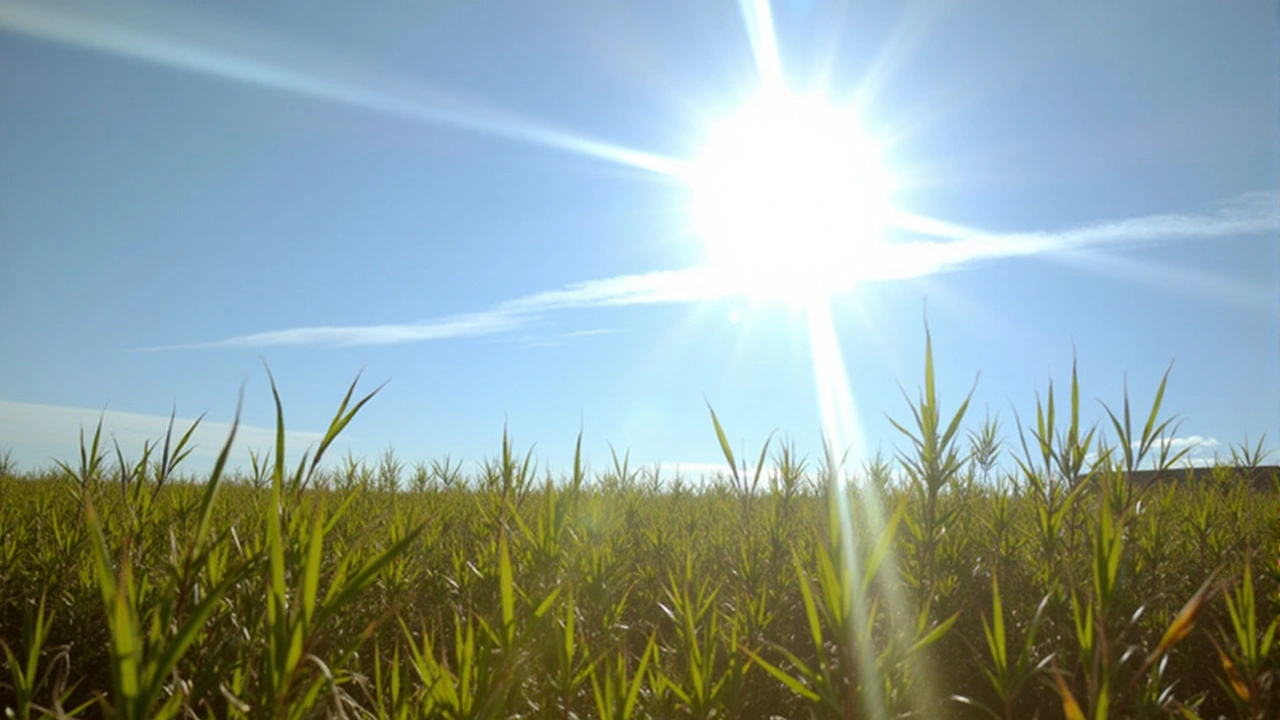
(972,576)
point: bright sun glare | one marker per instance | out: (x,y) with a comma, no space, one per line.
(789,197)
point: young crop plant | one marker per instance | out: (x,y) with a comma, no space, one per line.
(1249,671)
(1008,673)
(1106,616)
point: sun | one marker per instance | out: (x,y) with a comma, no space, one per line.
(789,197)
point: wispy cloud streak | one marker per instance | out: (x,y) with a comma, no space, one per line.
(674,286)
(457,326)
(1247,214)
(38,432)
(184,39)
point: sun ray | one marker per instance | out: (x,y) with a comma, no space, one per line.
(840,426)
(841,430)
(757,16)
(775,206)
(210,46)
(929,227)
(895,49)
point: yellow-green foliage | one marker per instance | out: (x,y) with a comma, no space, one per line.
(936,584)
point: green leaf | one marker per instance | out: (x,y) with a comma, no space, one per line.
(793,684)
(996,638)
(506,589)
(764,452)
(277,478)
(724,444)
(810,609)
(186,634)
(883,544)
(342,418)
(215,477)
(633,694)
(974,703)
(366,575)
(934,635)
(547,602)
(311,572)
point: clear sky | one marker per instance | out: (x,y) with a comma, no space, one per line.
(496,206)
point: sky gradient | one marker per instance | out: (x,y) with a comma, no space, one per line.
(482,203)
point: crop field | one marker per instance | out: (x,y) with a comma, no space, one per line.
(973,575)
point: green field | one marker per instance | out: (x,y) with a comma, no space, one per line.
(969,577)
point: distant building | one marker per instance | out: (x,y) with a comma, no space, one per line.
(1263,477)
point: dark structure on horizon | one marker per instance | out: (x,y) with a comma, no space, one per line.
(1262,477)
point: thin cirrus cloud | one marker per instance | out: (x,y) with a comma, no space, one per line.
(643,289)
(1247,214)
(35,431)
(559,338)
(453,326)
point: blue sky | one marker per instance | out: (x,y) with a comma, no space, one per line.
(475,201)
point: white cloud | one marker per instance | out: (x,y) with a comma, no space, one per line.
(1201,450)
(674,286)
(1195,443)
(1254,212)
(1249,213)
(589,332)
(38,434)
(558,339)
(457,326)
